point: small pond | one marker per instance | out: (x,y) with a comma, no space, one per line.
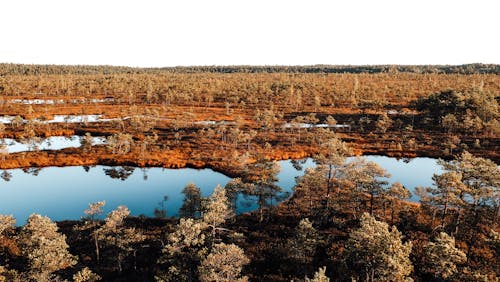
(64,192)
(50,143)
(61,119)
(58,101)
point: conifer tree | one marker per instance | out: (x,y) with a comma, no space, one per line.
(91,222)
(86,275)
(183,252)
(446,193)
(45,248)
(442,258)
(7,223)
(217,210)
(223,264)
(330,161)
(114,235)
(319,276)
(367,178)
(303,243)
(397,192)
(191,204)
(263,176)
(481,178)
(310,184)
(375,253)
(7,275)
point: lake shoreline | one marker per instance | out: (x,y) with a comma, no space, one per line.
(176,158)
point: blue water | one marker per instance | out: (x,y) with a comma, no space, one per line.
(65,192)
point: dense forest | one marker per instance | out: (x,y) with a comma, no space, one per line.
(344,220)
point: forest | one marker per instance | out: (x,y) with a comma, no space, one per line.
(344,220)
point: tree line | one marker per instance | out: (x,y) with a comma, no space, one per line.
(29,69)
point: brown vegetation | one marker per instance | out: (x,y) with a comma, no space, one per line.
(237,119)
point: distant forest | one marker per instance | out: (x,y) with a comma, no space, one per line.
(21,69)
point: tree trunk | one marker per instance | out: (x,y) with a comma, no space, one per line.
(96,243)
(119,260)
(371,203)
(392,211)
(328,185)
(444,213)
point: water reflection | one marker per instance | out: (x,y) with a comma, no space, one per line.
(121,173)
(65,192)
(6,175)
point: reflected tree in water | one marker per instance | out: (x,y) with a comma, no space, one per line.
(32,170)
(144,173)
(6,175)
(122,172)
(298,164)
(86,168)
(161,211)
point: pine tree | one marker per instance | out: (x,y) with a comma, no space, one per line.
(6,222)
(303,243)
(113,234)
(481,178)
(375,253)
(86,275)
(309,185)
(442,258)
(319,276)
(7,275)
(446,193)
(263,176)
(383,123)
(367,178)
(191,204)
(217,210)
(183,252)
(45,248)
(223,264)
(234,188)
(397,192)
(91,222)
(330,162)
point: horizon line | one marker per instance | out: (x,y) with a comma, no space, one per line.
(246,65)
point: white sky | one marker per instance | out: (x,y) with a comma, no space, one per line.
(150,33)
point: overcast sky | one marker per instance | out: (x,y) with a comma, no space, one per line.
(269,32)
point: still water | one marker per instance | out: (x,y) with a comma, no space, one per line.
(65,192)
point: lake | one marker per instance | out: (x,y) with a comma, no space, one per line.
(65,192)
